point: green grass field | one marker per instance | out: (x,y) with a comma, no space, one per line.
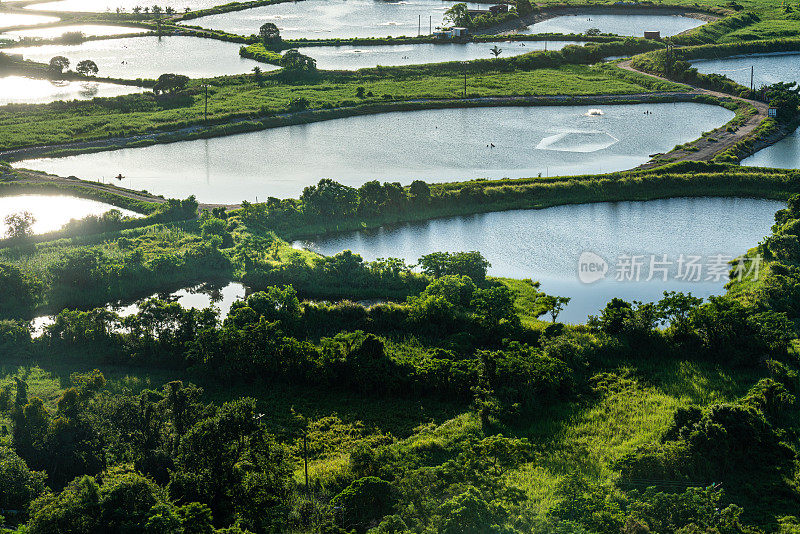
(240,97)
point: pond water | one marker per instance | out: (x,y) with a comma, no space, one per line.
(328,19)
(99,6)
(150,57)
(22,90)
(51,212)
(357,57)
(634,25)
(546,245)
(785,154)
(767,68)
(89,30)
(199,297)
(9,20)
(446,145)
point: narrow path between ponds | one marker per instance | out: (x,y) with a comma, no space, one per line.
(704,149)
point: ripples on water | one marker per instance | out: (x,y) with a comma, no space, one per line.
(431,145)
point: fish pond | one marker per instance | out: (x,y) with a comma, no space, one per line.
(431,145)
(349,57)
(633,25)
(336,19)
(23,90)
(51,212)
(551,245)
(149,57)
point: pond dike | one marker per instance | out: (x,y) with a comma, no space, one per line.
(254,123)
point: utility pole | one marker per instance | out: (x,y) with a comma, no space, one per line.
(419,25)
(752,71)
(430,25)
(305,456)
(464,65)
(205,112)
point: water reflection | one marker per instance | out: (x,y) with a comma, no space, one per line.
(149,57)
(545,245)
(201,296)
(23,90)
(316,19)
(767,69)
(357,57)
(785,154)
(634,25)
(88,30)
(446,145)
(51,212)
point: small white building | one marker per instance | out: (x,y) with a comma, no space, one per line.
(459,32)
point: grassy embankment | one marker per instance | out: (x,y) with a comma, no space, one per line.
(240,97)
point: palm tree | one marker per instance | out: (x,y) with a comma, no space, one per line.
(496,50)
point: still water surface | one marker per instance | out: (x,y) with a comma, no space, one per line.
(51,212)
(358,57)
(199,297)
(89,30)
(545,245)
(785,154)
(634,25)
(431,145)
(8,20)
(327,19)
(149,57)
(767,68)
(23,90)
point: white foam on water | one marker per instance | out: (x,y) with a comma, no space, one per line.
(594,113)
(577,141)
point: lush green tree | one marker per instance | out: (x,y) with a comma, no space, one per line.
(294,62)
(19,484)
(364,502)
(230,454)
(269,34)
(458,15)
(19,225)
(329,198)
(471,264)
(785,97)
(420,191)
(468,513)
(258,76)
(19,292)
(553,305)
(58,64)
(87,67)
(170,84)
(524,7)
